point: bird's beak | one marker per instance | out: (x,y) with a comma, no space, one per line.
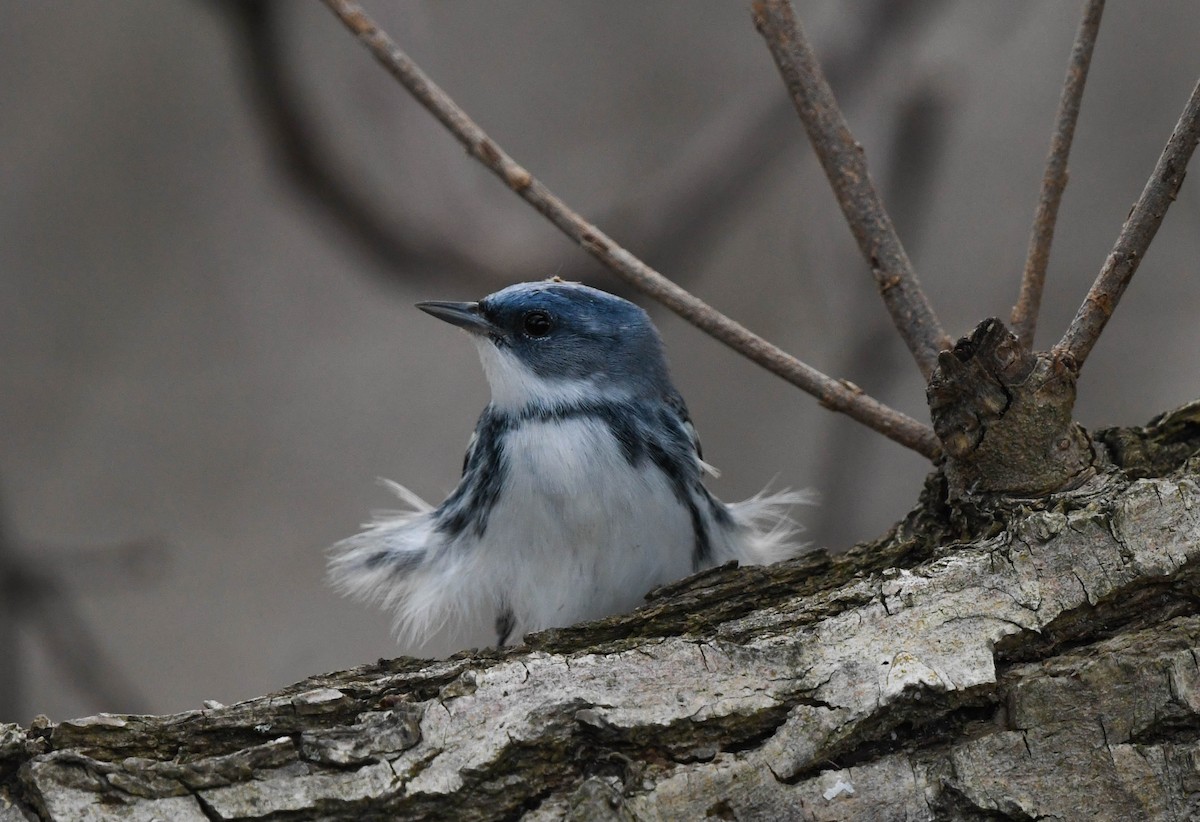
(464,315)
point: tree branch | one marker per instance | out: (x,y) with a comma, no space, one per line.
(718,168)
(980,662)
(1137,232)
(872,357)
(1054,181)
(846,167)
(833,394)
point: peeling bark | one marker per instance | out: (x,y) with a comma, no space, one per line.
(990,658)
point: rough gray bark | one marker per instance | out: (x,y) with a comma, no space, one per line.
(1003,415)
(989,659)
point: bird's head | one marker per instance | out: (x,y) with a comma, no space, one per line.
(556,342)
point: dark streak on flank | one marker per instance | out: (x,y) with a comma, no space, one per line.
(642,432)
(505,622)
(483,477)
(398,562)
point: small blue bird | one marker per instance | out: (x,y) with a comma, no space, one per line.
(581,488)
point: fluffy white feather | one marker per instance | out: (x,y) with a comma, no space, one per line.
(582,491)
(599,531)
(766,532)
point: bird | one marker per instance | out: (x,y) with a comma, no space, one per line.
(582,485)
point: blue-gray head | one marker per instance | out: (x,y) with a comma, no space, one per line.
(552,341)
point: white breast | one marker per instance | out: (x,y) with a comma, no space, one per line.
(578,532)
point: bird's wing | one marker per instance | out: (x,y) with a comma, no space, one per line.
(676,404)
(470,450)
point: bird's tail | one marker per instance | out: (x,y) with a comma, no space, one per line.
(387,563)
(767,533)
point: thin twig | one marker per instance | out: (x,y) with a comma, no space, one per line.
(676,220)
(846,167)
(1054,181)
(728,160)
(873,357)
(710,183)
(833,394)
(1137,232)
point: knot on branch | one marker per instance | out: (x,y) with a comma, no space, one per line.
(1003,415)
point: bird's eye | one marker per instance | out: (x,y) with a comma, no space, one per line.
(538,324)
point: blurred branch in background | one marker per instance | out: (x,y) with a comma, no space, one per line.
(76,648)
(399,250)
(1054,181)
(674,220)
(101,567)
(872,358)
(846,167)
(679,218)
(32,595)
(11,599)
(836,395)
(709,180)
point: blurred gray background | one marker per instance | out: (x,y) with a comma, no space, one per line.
(217,215)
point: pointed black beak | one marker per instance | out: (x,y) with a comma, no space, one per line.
(464,315)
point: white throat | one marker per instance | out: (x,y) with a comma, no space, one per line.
(514,386)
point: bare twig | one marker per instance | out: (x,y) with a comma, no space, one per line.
(1137,232)
(1025,312)
(674,223)
(735,151)
(873,357)
(833,394)
(708,183)
(846,167)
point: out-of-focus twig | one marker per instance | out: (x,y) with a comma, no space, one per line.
(77,648)
(1137,232)
(11,690)
(674,223)
(872,356)
(101,568)
(727,160)
(709,183)
(833,394)
(401,250)
(678,218)
(32,596)
(1054,181)
(846,167)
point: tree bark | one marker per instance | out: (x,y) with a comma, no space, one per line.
(990,658)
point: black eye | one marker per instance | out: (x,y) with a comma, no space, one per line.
(537,324)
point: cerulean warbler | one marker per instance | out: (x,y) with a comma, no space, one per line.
(581,488)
